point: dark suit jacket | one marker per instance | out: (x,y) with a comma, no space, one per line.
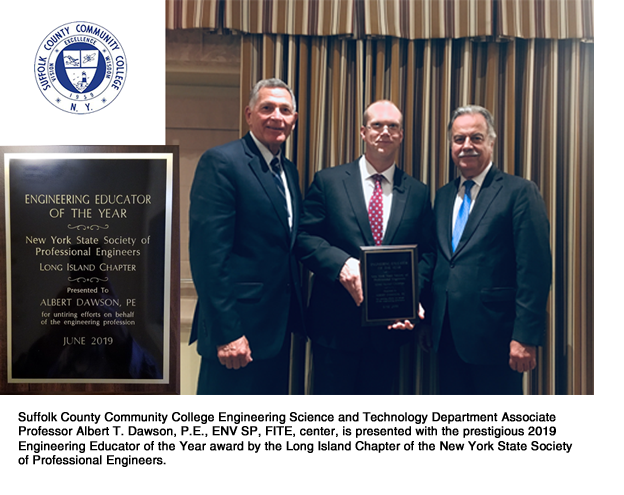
(334,226)
(243,267)
(496,284)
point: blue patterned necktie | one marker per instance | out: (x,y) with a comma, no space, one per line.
(276,170)
(462,215)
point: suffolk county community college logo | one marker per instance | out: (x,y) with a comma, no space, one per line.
(80,67)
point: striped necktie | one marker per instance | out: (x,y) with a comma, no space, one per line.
(276,171)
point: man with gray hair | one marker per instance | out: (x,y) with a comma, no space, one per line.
(245,203)
(492,272)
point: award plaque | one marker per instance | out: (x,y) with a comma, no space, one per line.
(389,284)
(92,277)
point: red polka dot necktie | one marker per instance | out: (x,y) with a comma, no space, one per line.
(375,210)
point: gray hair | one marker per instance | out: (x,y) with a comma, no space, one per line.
(270,83)
(473,110)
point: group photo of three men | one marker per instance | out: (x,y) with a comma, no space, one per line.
(484,259)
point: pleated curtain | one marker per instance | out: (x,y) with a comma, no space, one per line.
(529,62)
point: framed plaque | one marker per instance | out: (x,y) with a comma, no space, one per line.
(389,283)
(92,272)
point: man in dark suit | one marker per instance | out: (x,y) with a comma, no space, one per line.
(245,203)
(493,267)
(350,358)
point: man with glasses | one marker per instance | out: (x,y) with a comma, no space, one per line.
(367,202)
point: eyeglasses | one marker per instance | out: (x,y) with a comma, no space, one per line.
(379,127)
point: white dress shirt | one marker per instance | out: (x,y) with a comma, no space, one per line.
(268,157)
(474,192)
(368,185)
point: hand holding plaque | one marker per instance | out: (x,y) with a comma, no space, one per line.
(401,325)
(389,284)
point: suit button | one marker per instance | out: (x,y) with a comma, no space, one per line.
(452,265)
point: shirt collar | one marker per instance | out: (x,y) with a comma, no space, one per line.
(478,180)
(266,152)
(367,170)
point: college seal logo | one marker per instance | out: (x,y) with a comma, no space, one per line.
(80,67)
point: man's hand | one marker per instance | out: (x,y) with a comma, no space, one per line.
(236,354)
(401,325)
(350,278)
(521,356)
(407,325)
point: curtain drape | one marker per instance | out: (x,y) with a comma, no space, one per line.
(529,62)
(410,19)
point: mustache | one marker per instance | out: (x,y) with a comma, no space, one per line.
(468,153)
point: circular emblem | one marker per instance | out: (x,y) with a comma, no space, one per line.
(80,67)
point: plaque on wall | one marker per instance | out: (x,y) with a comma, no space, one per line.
(90,244)
(389,283)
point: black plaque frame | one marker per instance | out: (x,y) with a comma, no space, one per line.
(164,160)
(390,291)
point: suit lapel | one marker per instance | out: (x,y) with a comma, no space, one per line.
(293,187)
(353,187)
(492,185)
(444,202)
(399,199)
(261,170)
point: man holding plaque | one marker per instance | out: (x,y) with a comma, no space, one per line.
(367,202)
(493,267)
(245,203)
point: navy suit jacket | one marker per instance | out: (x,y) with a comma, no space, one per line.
(241,251)
(495,286)
(334,225)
